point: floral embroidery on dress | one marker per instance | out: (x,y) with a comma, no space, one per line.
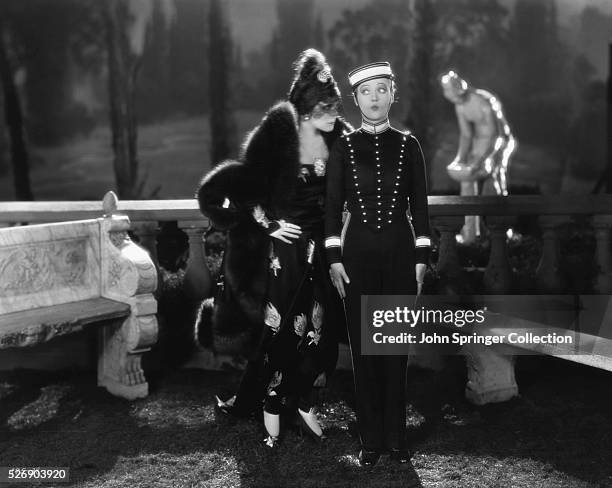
(274,382)
(272,318)
(317,323)
(275,264)
(299,324)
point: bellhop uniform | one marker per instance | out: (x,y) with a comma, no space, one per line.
(379,173)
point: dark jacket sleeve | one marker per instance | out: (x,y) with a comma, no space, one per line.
(334,201)
(418,202)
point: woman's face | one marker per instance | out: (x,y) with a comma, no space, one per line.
(324,115)
(374,98)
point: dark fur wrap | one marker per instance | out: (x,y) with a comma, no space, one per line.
(265,174)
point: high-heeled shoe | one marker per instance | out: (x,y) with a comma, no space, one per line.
(368,458)
(227,407)
(271,442)
(400,455)
(309,424)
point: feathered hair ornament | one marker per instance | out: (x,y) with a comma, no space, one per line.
(312,82)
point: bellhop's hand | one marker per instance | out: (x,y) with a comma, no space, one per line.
(419,270)
(286,231)
(339,277)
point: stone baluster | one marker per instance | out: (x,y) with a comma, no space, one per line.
(602,224)
(490,369)
(498,276)
(146,231)
(548,278)
(198,281)
(448,268)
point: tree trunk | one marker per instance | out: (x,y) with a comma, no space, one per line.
(222,124)
(609,122)
(421,97)
(122,70)
(14,122)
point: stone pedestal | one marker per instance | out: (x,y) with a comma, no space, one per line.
(471,229)
(490,375)
(547,272)
(498,275)
(448,268)
(602,224)
(198,282)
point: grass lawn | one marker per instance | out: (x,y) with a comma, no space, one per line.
(557,434)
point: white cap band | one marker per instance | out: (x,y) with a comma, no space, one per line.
(369,72)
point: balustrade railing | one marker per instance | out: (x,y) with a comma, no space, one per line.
(490,372)
(447,215)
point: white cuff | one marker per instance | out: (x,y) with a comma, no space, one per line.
(423,241)
(332,242)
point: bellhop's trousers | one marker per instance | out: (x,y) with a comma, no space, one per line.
(378,263)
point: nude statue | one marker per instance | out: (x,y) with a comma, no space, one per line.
(485,142)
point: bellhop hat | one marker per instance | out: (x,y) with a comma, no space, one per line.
(381,69)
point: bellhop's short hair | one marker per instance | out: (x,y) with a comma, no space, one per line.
(312,82)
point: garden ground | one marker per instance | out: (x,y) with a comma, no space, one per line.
(558,433)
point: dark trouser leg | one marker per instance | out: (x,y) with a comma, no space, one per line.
(398,278)
(394,413)
(369,404)
(378,263)
(364,277)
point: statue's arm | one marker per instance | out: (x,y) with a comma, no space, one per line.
(465,137)
(503,128)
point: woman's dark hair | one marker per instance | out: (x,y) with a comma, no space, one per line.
(312,82)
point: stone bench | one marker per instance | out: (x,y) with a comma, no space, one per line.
(60,278)
(491,375)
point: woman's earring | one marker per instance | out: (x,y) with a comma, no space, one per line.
(306,117)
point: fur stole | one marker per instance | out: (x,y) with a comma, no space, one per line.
(264,174)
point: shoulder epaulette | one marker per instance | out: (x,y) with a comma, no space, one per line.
(405,133)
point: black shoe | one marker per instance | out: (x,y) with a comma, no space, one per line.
(401,456)
(368,458)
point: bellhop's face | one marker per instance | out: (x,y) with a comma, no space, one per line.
(374,98)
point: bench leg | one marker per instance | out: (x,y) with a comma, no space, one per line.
(490,375)
(119,365)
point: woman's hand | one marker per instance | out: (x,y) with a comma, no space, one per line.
(286,232)
(339,277)
(419,270)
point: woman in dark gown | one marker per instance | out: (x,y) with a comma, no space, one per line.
(277,286)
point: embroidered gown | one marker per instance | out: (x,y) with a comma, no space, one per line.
(299,342)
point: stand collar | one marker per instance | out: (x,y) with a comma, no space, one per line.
(375,128)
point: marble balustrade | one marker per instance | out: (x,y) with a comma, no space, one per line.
(488,372)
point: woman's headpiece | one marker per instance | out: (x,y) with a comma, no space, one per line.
(312,82)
